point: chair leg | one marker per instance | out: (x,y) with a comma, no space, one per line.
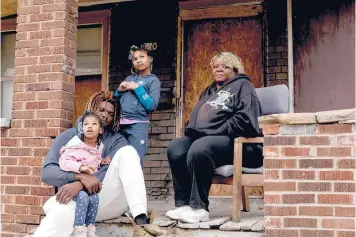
(245,199)
(237,177)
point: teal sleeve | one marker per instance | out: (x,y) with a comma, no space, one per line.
(143,97)
(118,94)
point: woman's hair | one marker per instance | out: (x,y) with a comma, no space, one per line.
(97,98)
(230,60)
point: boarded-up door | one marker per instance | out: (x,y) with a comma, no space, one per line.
(204,38)
(85,87)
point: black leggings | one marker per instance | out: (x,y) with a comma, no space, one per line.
(193,163)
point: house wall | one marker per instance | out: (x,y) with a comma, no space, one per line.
(276,49)
(324,55)
(42,103)
(135,23)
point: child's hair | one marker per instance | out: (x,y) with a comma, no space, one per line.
(94,115)
(135,48)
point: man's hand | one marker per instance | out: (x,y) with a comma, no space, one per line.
(68,192)
(87,169)
(122,86)
(91,183)
(131,85)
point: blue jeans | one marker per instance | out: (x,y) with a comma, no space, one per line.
(137,136)
(86,208)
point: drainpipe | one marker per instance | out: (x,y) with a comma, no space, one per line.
(290,56)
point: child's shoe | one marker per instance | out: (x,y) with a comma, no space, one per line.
(91,231)
(80,231)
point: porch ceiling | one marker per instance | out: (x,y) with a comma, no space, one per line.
(9,7)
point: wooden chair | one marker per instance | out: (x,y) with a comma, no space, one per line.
(274,100)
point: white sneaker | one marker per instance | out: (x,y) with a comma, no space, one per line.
(176,213)
(194,216)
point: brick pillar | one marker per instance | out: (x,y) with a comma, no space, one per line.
(277,47)
(309,180)
(43,105)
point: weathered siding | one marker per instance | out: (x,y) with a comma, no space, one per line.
(324,55)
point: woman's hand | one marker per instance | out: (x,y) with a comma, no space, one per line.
(131,85)
(123,86)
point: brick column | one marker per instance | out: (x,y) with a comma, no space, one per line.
(309,180)
(277,49)
(43,105)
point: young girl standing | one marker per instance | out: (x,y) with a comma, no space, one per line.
(139,95)
(82,154)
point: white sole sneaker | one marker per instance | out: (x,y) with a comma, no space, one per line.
(193,221)
(195,216)
(176,213)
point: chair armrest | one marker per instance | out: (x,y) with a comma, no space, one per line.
(249,140)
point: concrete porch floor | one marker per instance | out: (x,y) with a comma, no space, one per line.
(219,224)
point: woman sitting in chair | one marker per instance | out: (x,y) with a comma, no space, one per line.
(227,109)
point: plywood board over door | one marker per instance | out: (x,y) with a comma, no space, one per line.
(86,84)
(204,38)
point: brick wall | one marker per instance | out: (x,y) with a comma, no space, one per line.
(277,47)
(309,180)
(156,168)
(42,107)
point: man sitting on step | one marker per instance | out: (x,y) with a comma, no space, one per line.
(120,184)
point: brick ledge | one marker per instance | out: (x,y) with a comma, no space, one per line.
(334,116)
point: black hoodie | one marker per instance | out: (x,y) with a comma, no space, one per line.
(231,110)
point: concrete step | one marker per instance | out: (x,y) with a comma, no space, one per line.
(115,230)
(219,225)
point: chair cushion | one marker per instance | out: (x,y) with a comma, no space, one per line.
(228,170)
(274,99)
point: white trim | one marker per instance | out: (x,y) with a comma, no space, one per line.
(6,78)
(87,4)
(290,56)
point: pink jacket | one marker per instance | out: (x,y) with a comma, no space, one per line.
(76,153)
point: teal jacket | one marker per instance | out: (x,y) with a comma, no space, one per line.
(137,104)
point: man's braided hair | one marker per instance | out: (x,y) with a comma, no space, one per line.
(95,100)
